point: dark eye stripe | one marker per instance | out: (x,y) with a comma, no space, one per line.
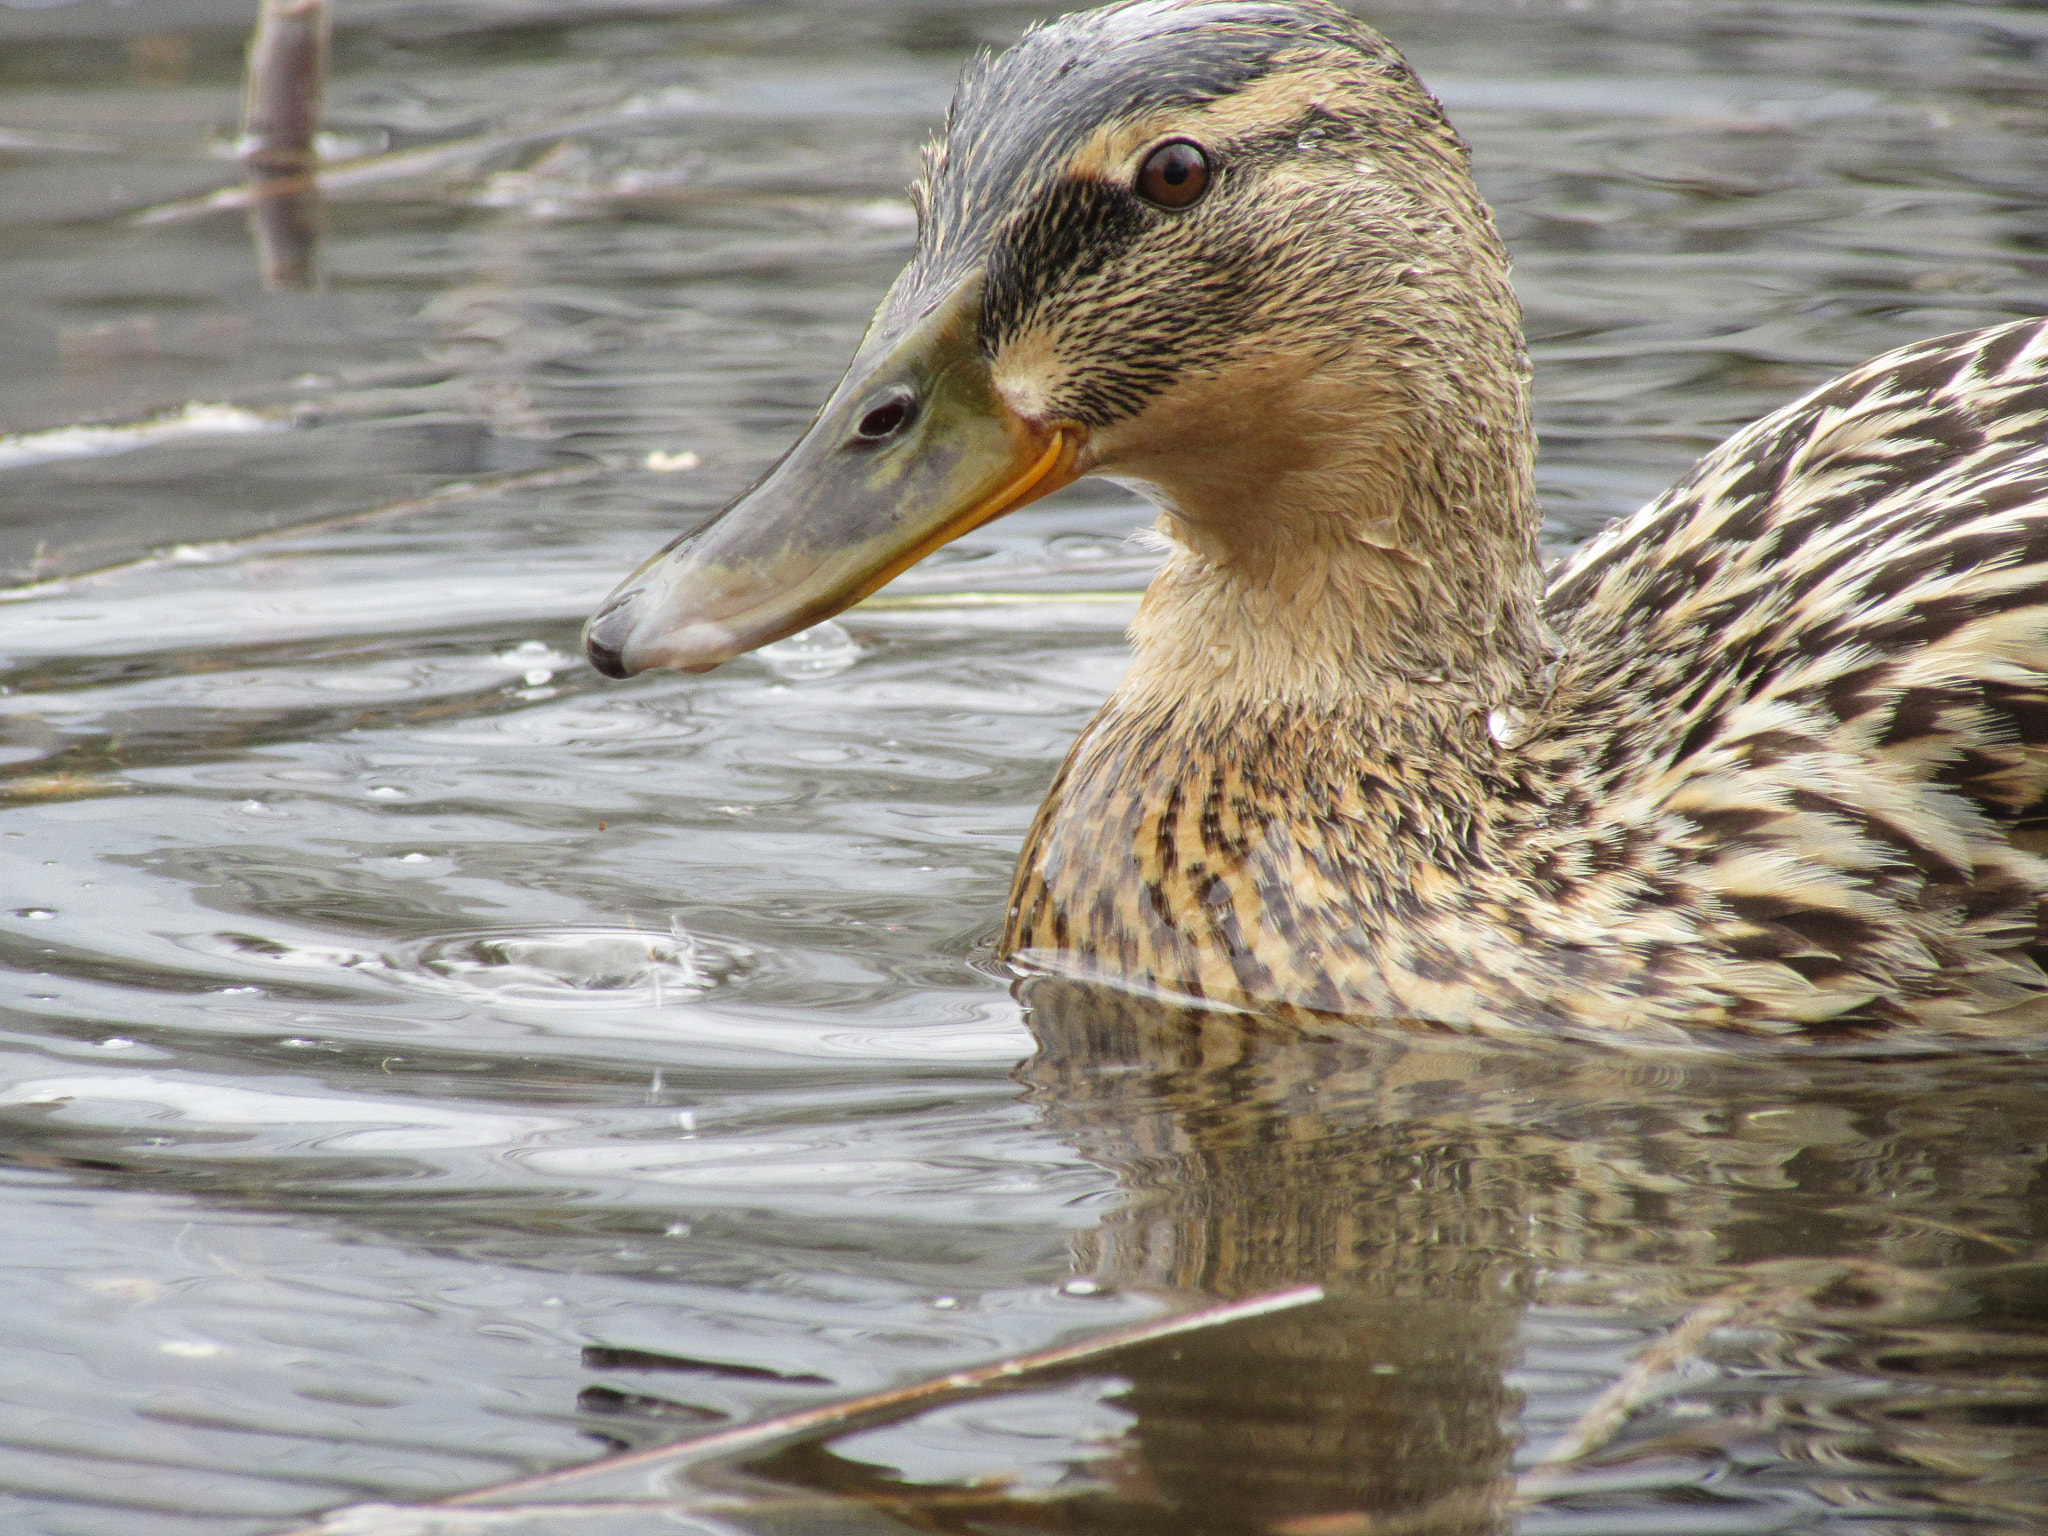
(1076,228)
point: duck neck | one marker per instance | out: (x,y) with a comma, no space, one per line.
(1397,596)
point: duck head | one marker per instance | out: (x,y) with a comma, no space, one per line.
(1228,254)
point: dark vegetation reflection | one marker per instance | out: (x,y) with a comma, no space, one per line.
(1828,1275)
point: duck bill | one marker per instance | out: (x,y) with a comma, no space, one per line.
(842,512)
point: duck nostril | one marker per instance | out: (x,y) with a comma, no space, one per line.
(886,419)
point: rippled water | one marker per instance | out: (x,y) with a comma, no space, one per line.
(427,1064)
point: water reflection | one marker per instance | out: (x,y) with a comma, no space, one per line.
(358,1075)
(1566,1286)
(1256,1158)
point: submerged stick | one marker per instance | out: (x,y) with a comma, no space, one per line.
(280,117)
(423,160)
(223,549)
(362,171)
(488,1519)
(505,1501)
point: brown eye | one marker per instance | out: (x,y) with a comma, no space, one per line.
(1174,175)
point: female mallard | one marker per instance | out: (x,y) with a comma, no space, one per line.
(1771,756)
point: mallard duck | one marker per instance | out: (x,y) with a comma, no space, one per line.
(1767,759)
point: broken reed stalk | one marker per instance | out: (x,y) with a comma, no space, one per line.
(365,171)
(280,117)
(837,1418)
(689,1514)
(506,1501)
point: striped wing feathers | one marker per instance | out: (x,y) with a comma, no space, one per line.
(1813,680)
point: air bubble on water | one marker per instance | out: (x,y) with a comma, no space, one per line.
(139,1289)
(1085,546)
(35,914)
(1081,1285)
(823,650)
(538,676)
(885,213)
(528,654)
(386,792)
(186,1349)
(591,967)
(117,1043)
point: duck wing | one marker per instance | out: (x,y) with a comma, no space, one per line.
(1803,703)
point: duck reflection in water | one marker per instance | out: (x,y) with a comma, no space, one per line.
(1756,1295)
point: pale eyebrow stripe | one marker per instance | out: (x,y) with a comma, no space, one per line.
(1267,105)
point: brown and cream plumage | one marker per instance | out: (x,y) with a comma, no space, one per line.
(1767,758)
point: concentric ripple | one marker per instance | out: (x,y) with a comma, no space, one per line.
(579,967)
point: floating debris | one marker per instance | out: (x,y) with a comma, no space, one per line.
(89,442)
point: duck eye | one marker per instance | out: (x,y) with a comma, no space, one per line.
(1174,175)
(885,419)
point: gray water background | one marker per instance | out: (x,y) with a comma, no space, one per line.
(401,1021)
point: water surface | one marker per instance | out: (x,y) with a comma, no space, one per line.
(427,1064)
